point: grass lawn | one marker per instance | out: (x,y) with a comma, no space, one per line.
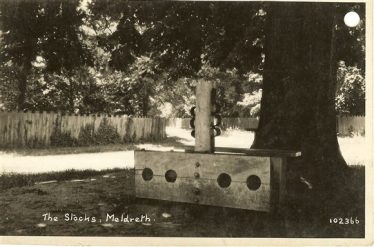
(24,200)
(84,149)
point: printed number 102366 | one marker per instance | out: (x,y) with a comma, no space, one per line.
(345,221)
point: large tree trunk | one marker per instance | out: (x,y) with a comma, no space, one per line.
(297,107)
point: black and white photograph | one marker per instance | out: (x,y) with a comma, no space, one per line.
(185,119)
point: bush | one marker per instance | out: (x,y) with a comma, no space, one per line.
(63,139)
(106,134)
(350,95)
(86,135)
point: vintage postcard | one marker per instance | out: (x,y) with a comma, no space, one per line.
(186,122)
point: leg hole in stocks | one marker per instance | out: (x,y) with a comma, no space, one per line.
(147,174)
(253,182)
(224,180)
(171,176)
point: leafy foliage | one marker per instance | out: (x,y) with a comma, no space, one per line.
(181,35)
(104,135)
(62,139)
(42,34)
(351,41)
(350,96)
(86,135)
(21,30)
(142,58)
(9,92)
(251,104)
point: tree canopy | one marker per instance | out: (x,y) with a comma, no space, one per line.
(122,56)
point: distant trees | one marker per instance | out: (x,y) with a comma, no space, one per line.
(215,41)
(20,36)
(139,57)
(350,94)
(43,53)
(184,40)
(350,89)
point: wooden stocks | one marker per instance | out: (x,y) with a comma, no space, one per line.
(204,140)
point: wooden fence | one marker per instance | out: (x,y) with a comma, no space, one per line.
(18,129)
(346,125)
(235,123)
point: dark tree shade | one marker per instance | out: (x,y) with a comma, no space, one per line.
(350,42)
(62,45)
(50,29)
(183,35)
(21,30)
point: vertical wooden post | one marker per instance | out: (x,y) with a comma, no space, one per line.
(203,132)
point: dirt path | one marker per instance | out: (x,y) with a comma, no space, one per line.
(38,164)
(353,150)
(12,162)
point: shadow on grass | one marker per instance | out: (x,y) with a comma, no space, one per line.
(168,142)
(69,150)
(332,212)
(172,141)
(305,215)
(10,180)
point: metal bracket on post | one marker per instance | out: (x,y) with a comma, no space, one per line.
(253,179)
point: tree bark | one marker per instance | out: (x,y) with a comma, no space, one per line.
(145,105)
(298,106)
(71,93)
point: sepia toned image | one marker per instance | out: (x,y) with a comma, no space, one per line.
(184,119)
